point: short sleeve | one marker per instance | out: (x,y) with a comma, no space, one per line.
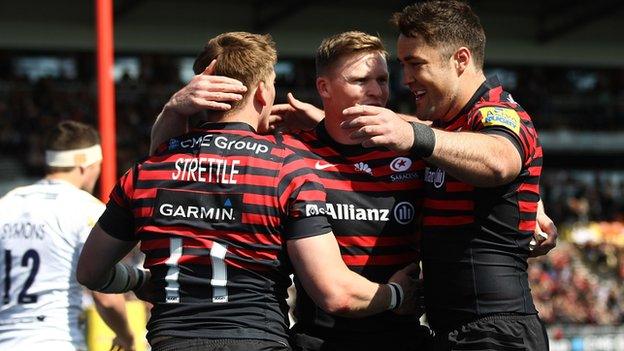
(302,199)
(507,122)
(118,218)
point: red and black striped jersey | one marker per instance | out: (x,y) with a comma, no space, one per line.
(475,241)
(373,205)
(213,210)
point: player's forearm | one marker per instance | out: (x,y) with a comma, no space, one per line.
(355,296)
(330,283)
(112,309)
(478,159)
(168,124)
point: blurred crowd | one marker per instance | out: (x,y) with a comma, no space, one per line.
(579,282)
(579,197)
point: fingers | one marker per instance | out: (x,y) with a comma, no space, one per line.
(359,122)
(217,95)
(236,85)
(281,109)
(218,85)
(359,110)
(294,102)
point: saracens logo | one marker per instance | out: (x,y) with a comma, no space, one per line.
(400,164)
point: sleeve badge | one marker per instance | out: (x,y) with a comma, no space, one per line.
(500,117)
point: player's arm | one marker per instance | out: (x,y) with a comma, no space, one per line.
(485,160)
(545,235)
(112,309)
(478,159)
(203,92)
(99,266)
(334,287)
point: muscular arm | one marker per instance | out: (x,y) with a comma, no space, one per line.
(168,124)
(98,257)
(479,159)
(328,281)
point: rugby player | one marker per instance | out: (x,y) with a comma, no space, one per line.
(219,211)
(43,227)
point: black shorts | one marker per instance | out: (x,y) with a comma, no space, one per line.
(414,340)
(180,344)
(495,333)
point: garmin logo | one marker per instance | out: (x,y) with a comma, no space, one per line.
(212,213)
(220,141)
(175,207)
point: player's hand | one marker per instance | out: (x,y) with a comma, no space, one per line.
(125,343)
(412,290)
(374,126)
(294,116)
(545,235)
(206,92)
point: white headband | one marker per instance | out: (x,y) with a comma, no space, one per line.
(74,158)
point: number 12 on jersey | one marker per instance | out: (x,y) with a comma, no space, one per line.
(219,272)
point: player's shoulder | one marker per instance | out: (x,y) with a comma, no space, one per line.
(80,200)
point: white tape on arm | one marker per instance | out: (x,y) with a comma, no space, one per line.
(123,278)
(396,297)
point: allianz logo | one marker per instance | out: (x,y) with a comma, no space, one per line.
(403,212)
(220,141)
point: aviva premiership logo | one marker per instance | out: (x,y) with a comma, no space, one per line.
(502,117)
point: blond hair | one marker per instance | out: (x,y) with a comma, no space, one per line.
(347,43)
(247,57)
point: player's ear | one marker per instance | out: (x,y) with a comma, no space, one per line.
(261,93)
(461,59)
(322,86)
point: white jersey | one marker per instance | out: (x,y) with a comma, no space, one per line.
(42,230)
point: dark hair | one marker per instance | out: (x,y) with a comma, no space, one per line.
(447,25)
(70,135)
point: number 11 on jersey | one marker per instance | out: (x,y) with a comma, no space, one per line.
(219,272)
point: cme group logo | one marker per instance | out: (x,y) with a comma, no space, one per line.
(404,212)
(400,164)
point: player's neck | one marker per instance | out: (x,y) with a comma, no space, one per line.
(72,177)
(245,114)
(469,86)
